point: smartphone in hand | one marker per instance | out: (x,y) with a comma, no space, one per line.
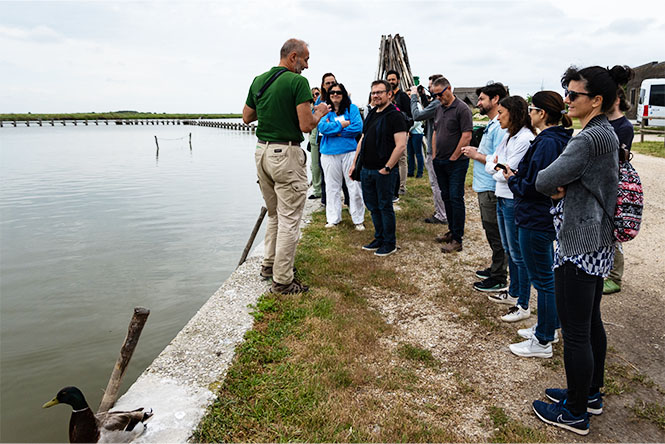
(501,166)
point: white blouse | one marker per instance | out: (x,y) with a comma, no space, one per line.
(509,153)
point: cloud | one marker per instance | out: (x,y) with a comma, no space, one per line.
(628,26)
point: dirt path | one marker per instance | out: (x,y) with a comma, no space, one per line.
(461,329)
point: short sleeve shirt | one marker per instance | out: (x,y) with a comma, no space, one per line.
(379,136)
(449,123)
(276,109)
(624,131)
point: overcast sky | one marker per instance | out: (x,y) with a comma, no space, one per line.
(201,56)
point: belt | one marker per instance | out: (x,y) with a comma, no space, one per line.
(279,142)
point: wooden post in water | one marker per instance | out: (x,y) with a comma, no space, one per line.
(190,141)
(257,225)
(131,340)
(157,143)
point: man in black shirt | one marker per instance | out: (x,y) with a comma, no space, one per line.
(382,143)
(403,103)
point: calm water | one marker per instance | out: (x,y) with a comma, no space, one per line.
(92,225)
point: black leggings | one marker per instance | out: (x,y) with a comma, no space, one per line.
(578,297)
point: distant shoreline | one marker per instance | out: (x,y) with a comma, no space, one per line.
(113,116)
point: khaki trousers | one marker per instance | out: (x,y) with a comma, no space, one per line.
(282,173)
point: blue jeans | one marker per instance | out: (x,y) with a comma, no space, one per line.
(520,286)
(538,254)
(450,176)
(415,147)
(378,196)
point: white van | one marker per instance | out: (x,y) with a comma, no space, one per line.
(652,102)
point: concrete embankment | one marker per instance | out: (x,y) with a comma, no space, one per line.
(180,383)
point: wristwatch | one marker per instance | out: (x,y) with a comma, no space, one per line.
(387,168)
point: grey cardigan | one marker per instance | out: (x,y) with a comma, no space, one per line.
(425,114)
(588,167)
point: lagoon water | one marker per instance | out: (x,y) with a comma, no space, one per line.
(92,224)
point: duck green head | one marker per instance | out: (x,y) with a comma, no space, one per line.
(71,396)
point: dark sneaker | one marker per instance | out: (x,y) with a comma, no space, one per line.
(314,196)
(558,415)
(594,404)
(435,220)
(373,246)
(490,284)
(446,238)
(484,274)
(292,288)
(452,247)
(385,250)
(266,272)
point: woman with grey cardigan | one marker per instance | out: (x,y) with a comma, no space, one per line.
(583,183)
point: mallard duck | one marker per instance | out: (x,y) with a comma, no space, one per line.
(84,426)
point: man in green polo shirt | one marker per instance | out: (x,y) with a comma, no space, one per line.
(280,99)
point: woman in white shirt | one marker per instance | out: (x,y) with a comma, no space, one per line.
(513,116)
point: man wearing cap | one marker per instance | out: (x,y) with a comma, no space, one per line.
(280,99)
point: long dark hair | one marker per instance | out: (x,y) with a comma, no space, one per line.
(519,114)
(346,101)
(600,81)
(324,91)
(552,103)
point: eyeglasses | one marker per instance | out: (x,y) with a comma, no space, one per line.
(439,94)
(316,94)
(335,93)
(575,94)
(531,108)
(377,93)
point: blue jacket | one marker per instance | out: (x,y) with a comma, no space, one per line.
(532,209)
(338,140)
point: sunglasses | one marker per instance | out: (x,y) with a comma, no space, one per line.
(531,108)
(575,94)
(439,94)
(316,94)
(335,93)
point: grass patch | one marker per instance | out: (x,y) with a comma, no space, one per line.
(414,353)
(509,430)
(651,412)
(656,149)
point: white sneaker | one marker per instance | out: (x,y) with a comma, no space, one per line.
(516,313)
(530,332)
(532,348)
(360,227)
(502,297)
(329,225)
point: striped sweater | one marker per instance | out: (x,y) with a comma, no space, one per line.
(588,162)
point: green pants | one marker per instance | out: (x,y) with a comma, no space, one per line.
(315,163)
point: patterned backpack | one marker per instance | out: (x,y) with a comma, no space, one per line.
(630,202)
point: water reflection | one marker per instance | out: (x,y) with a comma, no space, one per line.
(92,225)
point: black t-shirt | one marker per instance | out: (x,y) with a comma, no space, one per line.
(624,130)
(403,102)
(379,136)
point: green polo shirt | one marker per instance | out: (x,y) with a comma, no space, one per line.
(276,109)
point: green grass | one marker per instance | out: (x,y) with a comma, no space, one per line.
(656,149)
(509,430)
(651,412)
(112,116)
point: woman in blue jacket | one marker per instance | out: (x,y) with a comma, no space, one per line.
(339,130)
(534,221)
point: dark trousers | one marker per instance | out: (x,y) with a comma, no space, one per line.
(414,150)
(378,196)
(578,297)
(487,204)
(450,176)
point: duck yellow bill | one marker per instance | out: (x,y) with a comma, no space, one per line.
(51,403)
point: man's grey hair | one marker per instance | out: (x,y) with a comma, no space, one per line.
(441,81)
(292,45)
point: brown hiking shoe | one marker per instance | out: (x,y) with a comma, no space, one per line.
(293,287)
(266,272)
(451,247)
(446,238)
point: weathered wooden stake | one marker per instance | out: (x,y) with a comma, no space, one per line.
(157,143)
(257,225)
(133,333)
(190,141)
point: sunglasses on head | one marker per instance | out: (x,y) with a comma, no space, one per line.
(335,93)
(575,94)
(439,94)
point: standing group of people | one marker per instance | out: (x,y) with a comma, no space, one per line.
(543,194)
